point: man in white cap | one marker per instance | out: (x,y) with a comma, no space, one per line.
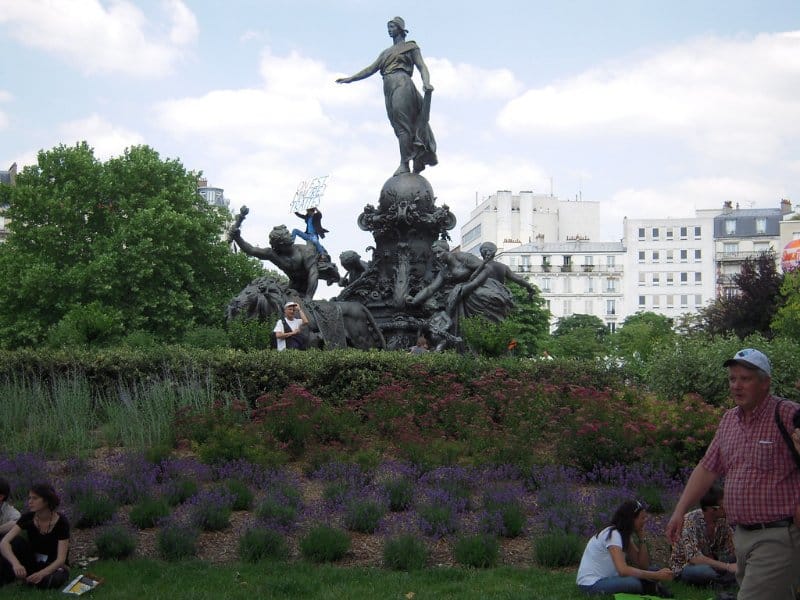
(288,329)
(762,481)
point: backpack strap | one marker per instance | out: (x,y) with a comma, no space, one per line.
(286,327)
(785,434)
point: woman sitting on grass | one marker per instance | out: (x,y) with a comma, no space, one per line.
(41,560)
(605,567)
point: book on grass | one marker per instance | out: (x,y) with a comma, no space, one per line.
(82,584)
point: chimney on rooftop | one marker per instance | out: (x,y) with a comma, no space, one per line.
(786,206)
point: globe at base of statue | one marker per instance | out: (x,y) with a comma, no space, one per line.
(408,187)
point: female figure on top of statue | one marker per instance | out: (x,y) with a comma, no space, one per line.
(408,112)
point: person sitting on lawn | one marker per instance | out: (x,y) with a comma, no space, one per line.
(704,554)
(41,559)
(613,563)
(8,514)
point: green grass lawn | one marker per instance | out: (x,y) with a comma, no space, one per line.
(154,580)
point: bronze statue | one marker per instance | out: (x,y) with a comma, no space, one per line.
(407,110)
(301,264)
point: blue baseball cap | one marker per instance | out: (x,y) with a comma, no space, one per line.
(751,359)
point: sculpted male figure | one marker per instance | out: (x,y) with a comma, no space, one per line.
(762,482)
(299,262)
(355,267)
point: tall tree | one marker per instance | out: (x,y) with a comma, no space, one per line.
(579,336)
(533,319)
(130,238)
(640,334)
(787,318)
(752,309)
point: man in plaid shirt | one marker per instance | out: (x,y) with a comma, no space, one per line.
(762,482)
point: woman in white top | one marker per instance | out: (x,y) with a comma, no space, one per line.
(605,567)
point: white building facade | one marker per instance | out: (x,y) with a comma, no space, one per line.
(575,277)
(669,264)
(509,220)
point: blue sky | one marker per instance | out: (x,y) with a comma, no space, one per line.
(651,107)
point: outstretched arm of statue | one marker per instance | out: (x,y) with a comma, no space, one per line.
(521,281)
(426,292)
(250,250)
(363,73)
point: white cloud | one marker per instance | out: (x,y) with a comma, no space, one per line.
(4,97)
(95,38)
(733,99)
(682,199)
(106,139)
(467,81)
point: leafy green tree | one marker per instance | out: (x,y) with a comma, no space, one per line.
(487,338)
(640,334)
(532,319)
(753,308)
(579,336)
(787,318)
(130,238)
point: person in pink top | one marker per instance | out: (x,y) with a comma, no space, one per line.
(762,482)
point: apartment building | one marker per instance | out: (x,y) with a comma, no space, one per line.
(576,276)
(741,234)
(669,264)
(509,220)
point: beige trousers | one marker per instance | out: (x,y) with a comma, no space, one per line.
(768,561)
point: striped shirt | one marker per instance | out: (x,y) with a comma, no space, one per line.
(762,481)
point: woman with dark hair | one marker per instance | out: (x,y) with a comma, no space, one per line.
(604,567)
(41,560)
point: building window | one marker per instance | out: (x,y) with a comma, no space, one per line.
(669,233)
(670,301)
(684,300)
(656,256)
(590,284)
(512,262)
(641,233)
(545,263)
(611,326)
(655,233)
(761,247)
(730,226)
(670,256)
(670,278)
(656,278)
(761,225)
(610,261)
(698,300)
(472,234)
(683,233)
(567,308)
(730,247)
(641,301)
(698,232)
(588,307)
(642,280)
(698,255)
(546,284)
(684,255)
(698,277)
(656,301)
(611,307)
(684,278)
(641,256)
(568,285)
(611,285)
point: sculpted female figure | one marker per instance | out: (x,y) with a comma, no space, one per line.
(407,111)
(485,293)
